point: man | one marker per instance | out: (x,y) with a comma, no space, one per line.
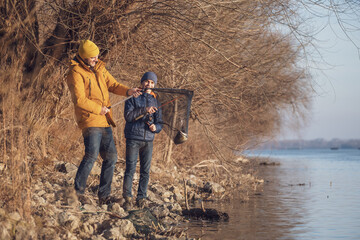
(90,83)
(143,121)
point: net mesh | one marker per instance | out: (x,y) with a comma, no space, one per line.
(175,107)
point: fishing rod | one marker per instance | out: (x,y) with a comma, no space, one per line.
(120,102)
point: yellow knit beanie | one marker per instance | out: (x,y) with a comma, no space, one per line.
(88,49)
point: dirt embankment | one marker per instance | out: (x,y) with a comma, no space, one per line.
(57,213)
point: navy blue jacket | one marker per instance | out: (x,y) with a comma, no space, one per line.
(139,129)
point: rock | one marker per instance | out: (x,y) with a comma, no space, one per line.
(212,187)
(116,208)
(155,170)
(68,236)
(2,166)
(209,214)
(25,231)
(96,170)
(38,200)
(153,198)
(87,228)
(68,220)
(41,192)
(166,194)
(156,188)
(113,233)
(7,225)
(14,216)
(90,208)
(159,211)
(67,196)
(97,237)
(127,228)
(48,187)
(143,220)
(177,195)
(4,233)
(49,197)
(242,160)
(175,207)
(191,183)
(65,167)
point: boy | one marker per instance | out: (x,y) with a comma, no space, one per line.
(143,121)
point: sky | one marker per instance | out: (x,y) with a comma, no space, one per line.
(336,108)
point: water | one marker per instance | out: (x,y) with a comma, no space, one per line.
(312,194)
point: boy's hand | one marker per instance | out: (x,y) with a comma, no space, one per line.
(151,110)
(152,127)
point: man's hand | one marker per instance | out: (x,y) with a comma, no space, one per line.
(104,110)
(151,110)
(135,92)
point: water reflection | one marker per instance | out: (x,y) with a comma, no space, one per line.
(269,215)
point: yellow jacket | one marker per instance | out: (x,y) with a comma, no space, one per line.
(90,92)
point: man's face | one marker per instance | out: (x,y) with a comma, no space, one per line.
(92,61)
(148,84)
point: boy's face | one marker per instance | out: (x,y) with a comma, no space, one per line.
(92,61)
(148,84)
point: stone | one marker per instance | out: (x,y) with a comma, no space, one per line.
(4,233)
(90,208)
(112,233)
(116,208)
(212,187)
(156,188)
(166,194)
(14,216)
(127,228)
(41,192)
(68,220)
(242,160)
(191,183)
(96,170)
(175,207)
(159,211)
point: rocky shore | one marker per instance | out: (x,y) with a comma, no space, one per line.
(57,213)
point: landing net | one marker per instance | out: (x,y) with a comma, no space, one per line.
(175,107)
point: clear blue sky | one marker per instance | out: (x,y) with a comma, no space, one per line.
(336,109)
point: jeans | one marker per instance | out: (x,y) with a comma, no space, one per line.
(135,148)
(97,140)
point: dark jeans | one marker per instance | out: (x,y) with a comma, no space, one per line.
(135,148)
(97,140)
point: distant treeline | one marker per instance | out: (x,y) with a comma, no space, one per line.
(315,143)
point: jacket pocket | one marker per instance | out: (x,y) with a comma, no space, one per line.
(82,116)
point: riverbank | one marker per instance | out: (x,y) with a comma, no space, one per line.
(57,213)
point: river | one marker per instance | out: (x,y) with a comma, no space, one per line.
(312,194)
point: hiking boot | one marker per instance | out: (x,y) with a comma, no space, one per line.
(127,204)
(108,200)
(141,203)
(83,199)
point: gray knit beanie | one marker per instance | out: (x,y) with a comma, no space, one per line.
(149,76)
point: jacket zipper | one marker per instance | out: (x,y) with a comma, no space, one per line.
(89,87)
